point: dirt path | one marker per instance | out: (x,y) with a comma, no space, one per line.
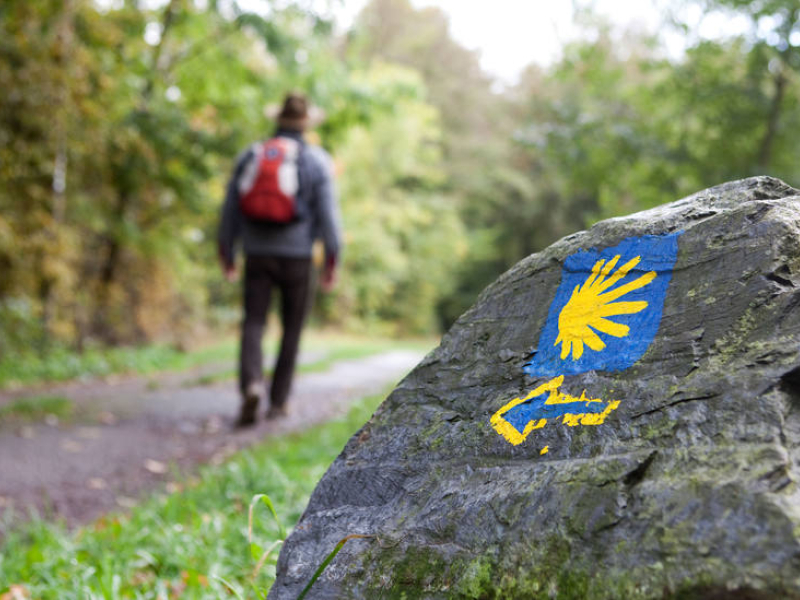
(126,438)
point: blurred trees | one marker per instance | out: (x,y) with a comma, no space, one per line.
(615,126)
(771,51)
(403,230)
(480,180)
(119,124)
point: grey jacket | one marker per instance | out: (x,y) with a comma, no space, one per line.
(292,240)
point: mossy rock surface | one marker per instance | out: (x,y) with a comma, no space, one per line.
(687,488)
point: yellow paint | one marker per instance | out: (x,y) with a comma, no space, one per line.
(590,304)
(510,433)
(506,429)
(557,397)
(590,418)
(544,450)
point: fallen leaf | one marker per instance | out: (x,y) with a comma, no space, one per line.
(155,466)
(96,483)
(172,487)
(107,418)
(105,522)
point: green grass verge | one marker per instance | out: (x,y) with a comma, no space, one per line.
(62,364)
(191,544)
(332,348)
(17,369)
(37,408)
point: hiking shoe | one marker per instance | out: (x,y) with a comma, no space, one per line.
(247,417)
(250,402)
(277,412)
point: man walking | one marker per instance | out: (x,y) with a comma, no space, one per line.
(278,201)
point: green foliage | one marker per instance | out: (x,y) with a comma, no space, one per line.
(60,363)
(402,229)
(614,127)
(36,408)
(474,137)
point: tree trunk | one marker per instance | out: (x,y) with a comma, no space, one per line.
(63,46)
(773,120)
(113,245)
(108,271)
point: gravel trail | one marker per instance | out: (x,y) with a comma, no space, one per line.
(133,435)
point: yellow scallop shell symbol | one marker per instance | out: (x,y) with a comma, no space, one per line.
(590,305)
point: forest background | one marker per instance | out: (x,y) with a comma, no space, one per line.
(120,122)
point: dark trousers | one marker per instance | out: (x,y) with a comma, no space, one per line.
(291,276)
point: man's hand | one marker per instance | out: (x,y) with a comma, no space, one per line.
(231,273)
(328,275)
(328,279)
(228,269)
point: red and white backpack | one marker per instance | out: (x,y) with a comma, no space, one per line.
(269,181)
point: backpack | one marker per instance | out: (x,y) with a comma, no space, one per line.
(269,181)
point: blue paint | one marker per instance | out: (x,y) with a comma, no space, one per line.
(658,253)
(536,409)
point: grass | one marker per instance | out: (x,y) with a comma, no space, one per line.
(191,544)
(331,347)
(37,408)
(18,369)
(61,364)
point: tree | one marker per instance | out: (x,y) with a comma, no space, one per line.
(771,50)
(121,123)
(480,179)
(403,231)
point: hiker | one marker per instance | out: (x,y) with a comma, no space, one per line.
(278,201)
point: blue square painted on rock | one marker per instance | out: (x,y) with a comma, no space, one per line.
(607,308)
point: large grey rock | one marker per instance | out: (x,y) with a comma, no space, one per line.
(687,487)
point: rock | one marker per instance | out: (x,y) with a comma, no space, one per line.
(615,429)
